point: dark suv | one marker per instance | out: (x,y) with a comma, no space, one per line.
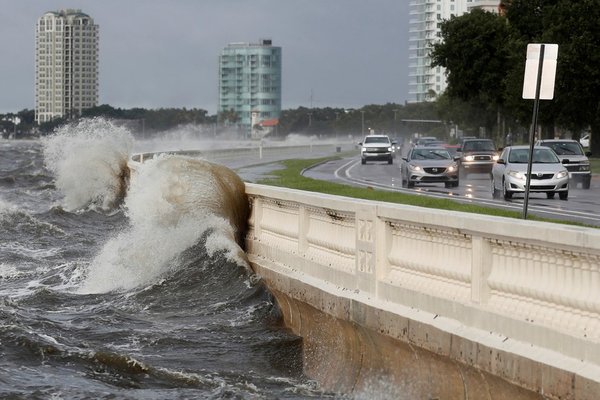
(477,155)
(578,163)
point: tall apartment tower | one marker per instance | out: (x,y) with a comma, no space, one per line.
(250,82)
(426,16)
(66,64)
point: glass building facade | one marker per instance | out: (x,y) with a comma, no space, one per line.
(66,64)
(250,82)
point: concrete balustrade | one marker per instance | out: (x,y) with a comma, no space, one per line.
(519,300)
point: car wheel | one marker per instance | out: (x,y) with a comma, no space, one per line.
(410,184)
(493,185)
(505,192)
(448,185)
(563,195)
(549,195)
(363,161)
(585,184)
(391,160)
(455,184)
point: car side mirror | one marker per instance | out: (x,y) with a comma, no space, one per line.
(394,142)
(456,158)
(360,143)
(588,153)
(405,159)
(500,161)
(565,161)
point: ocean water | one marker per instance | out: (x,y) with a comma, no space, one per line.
(130,292)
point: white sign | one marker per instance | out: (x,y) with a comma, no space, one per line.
(548,71)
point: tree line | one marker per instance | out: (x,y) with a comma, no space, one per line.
(391,118)
(436,118)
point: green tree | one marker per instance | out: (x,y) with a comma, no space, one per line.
(475,56)
(485,58)
(475,51)
(573,24)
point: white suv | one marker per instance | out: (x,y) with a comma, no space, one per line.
(376,148)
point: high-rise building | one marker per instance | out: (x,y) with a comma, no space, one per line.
(250,84)
(66,64)
(426,16)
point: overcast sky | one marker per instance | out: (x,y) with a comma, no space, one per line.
(164,53)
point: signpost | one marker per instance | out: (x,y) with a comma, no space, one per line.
(538,84)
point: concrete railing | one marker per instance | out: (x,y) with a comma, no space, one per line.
(527,292)
(256,150)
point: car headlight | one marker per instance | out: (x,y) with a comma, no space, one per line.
(414,167)
(452,168)
(584,167)
(469,158)
(516,174)
(562,174)
(363,149)
(495,157)
(389,148)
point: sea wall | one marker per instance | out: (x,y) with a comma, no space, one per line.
(447,304)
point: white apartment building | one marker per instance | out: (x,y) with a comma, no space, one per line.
(425,82)
(492,6)
(66,64)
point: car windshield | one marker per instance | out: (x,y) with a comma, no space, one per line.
(541,155)
(430,154)
(478,145)
(377,139)
(565,148)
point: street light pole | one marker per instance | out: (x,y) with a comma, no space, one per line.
(362,116)
(335,127)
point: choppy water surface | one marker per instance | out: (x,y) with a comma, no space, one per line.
(133,302)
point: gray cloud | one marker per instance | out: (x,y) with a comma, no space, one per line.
(159,53)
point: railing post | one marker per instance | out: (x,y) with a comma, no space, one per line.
(366,265)
(481,267)
(303,225)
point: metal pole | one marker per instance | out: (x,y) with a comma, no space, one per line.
(362,113)
(536,104)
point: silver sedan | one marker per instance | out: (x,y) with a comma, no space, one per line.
(429,165)
(548,174)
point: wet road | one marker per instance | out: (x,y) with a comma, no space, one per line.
(582,206)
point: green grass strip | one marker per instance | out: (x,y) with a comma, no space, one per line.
(290,177)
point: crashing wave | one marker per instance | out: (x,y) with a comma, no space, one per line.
(171,202)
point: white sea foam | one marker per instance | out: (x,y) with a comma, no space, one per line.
(87,159)
(9,271)
(171,202)
(6,208)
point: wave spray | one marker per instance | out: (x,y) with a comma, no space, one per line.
(172,202)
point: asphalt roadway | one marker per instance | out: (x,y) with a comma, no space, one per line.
(583,205)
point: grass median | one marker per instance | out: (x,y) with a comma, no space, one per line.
(290,177)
